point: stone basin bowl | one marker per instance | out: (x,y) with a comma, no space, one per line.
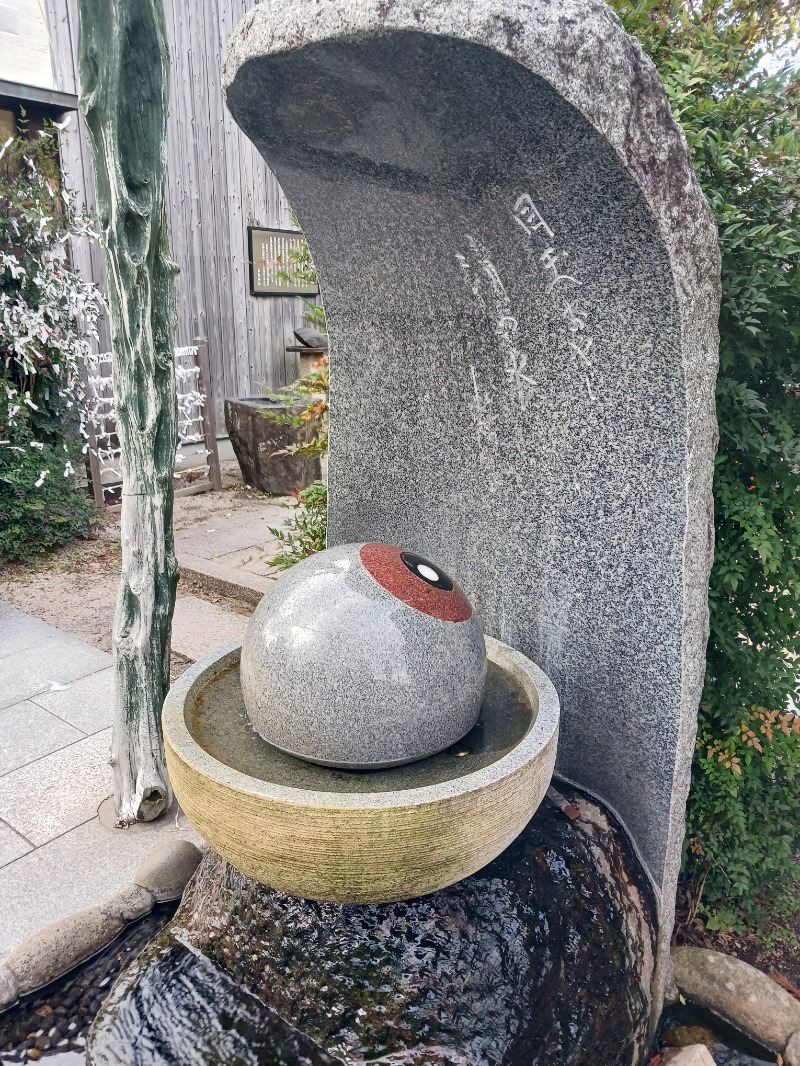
(360,836)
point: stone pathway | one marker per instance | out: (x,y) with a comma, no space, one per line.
(230,553)
(199,626)
(56,854)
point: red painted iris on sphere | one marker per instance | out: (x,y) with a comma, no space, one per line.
(416,581)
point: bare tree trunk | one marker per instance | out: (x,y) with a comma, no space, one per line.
(124,68)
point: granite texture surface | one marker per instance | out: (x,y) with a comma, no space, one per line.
(360,662)
(521,278)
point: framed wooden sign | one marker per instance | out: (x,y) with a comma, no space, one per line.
(269,254)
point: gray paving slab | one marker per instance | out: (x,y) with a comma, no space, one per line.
(58,658)
(79,869)
(12,845)
(199,626)
(231,534)
(28,732)
(19,631)
(254,560)
(88,703)
(59,791)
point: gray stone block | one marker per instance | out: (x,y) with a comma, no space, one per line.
(60,946)
(200,626)
(166,872)
(738,993)
(129,903)
(791,1054)
(694,1055)
(12,845)
(84,867)
(87,704)
(19,631)
(9,989)
(256,439)
(58,792)
(523,329)
(57,657)
(28,732)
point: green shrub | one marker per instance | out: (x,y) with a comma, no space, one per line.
(306,530)
(730,72)
(34,519)
(48,315)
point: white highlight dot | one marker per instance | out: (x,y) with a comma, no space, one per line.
(427,572)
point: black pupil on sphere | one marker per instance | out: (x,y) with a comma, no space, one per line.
(414,562)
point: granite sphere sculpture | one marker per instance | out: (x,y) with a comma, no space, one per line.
(363,656)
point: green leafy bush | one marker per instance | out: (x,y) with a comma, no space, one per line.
(730,72)
(306,531)
(48,315)
(309,394)
(35,518)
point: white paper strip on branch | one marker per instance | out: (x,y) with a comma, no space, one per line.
(99,425)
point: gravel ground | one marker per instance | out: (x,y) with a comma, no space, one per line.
(52,1025)
(75,587)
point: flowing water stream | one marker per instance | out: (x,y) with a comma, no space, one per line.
(531,962)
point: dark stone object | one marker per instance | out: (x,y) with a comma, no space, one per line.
(311,338)
(544,958)
(256,439)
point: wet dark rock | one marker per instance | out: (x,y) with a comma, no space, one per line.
(509,966)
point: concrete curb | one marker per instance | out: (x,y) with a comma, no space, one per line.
(64,944)
(224,580)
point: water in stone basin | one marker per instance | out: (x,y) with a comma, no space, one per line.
(218,722)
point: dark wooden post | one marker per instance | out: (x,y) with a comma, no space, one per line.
(124,71)
(209,417)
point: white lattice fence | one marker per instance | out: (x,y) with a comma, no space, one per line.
(196,436)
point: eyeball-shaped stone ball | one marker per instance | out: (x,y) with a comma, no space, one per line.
(363,656)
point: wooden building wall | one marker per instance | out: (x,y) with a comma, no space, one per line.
(218,185)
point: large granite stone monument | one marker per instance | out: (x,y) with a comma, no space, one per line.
(521,278)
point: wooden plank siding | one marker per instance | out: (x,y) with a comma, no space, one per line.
(218,185)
